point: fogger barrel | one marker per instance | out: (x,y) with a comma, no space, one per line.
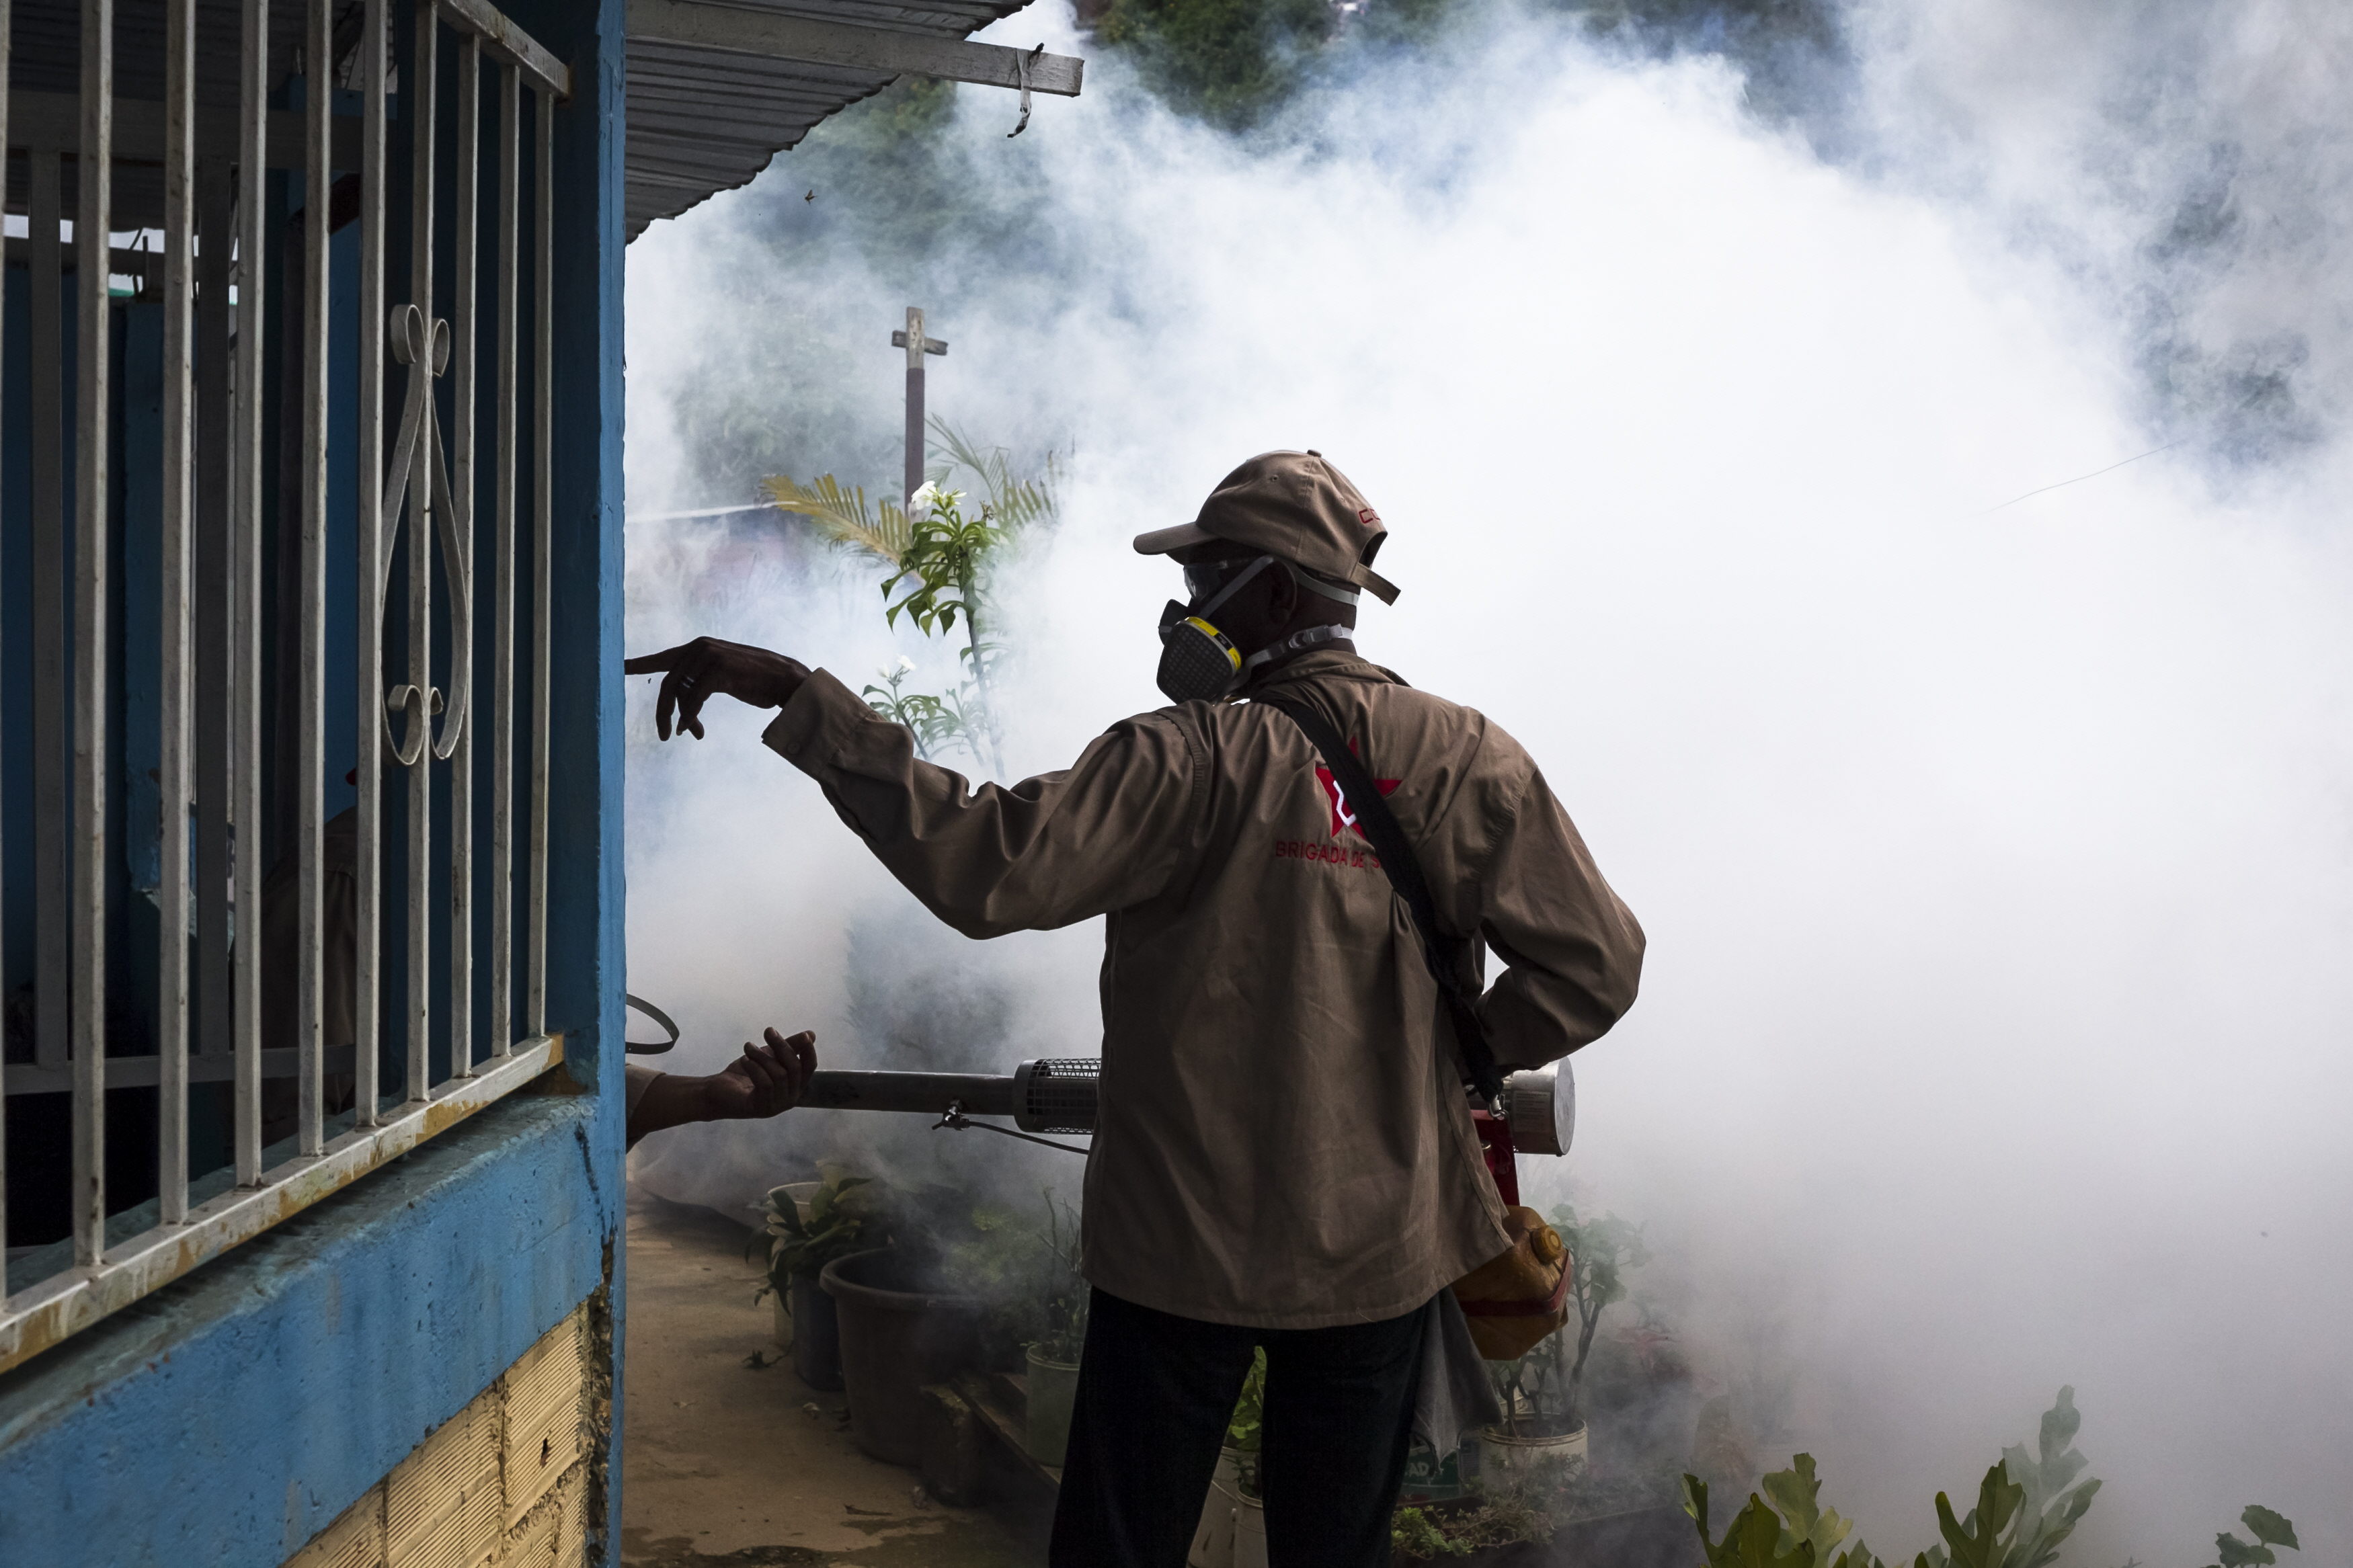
(1058,1094)
(1051,1095)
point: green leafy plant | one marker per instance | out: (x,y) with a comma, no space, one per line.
(1753,1539)
(1067,1293)
(1462,1527)
(1545,1388)
(1796,1496)
(2270,1529)
(941,565)
(1248,1424)
(1530,1507)
(934,721)
(846,1214)
(1229,61)
(2026,1505)
(1416,1532)
(1021,506)
(1026,1272)
(1601,1251)
(1535,1389)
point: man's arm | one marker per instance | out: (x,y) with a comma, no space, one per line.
(1107,832)
(765,1081)
(1573,951)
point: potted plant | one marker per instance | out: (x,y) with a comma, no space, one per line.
(809,1225)
(1543,1424)
(1053,1356)
(903,1326)
(1542,1430)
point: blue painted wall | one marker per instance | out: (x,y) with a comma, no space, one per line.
(230,1418)
(226,1419)
(588,969)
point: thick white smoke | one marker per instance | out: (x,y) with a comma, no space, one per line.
(1995,858)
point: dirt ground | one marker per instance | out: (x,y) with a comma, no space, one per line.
(725,1464)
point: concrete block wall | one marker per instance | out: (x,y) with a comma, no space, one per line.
(503,1483)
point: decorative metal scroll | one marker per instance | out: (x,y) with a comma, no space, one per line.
(419,476)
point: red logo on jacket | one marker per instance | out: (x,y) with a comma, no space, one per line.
(1342,817)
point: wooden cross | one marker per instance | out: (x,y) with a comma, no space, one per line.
(917,346)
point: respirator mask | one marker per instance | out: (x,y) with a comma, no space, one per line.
(1200,663)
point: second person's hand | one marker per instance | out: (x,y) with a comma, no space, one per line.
(765,1081)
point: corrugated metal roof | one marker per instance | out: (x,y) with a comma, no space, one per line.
(706,121)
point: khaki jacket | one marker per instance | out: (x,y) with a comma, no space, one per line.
(1285,1140)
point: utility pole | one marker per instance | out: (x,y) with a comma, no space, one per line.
(917,346)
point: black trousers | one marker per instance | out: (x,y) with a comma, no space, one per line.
(1154,1393)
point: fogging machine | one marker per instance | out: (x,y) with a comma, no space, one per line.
(1059,1094)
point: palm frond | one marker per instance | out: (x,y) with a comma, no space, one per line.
(1015,504)
(843,516)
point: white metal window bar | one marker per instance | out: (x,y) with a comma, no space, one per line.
(417,492)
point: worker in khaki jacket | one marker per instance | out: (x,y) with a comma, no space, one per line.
(1285,1156)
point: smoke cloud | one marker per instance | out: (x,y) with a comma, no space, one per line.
(1994,851)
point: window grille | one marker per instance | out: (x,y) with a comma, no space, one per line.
(206,665)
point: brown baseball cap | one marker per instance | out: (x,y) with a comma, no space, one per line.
(1294,506)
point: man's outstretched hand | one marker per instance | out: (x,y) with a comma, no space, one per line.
(694,672)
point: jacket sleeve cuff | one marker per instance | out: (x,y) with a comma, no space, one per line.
(817,724)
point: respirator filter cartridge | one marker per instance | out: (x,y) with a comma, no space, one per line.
(1197,661)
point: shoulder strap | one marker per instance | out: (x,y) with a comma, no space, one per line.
(1382,830)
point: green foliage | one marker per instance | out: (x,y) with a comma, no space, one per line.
(1530,1508)
(1019,506)
(1246,1426)
(942,563)
(935,721)
(841,516)
(2053,1500)
(2269,1528)
(1250,1411)
(1603,1251)
(1753,1539)
(1538,1387)
(2026,1506)
(1027,1273)
(1796,1495)
(1066,1293)
(1977,1541)
(1417,1533)
(1228,61)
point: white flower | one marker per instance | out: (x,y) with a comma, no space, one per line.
(930,497)
(906,666)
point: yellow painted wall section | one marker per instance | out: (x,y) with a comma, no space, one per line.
(502,1484)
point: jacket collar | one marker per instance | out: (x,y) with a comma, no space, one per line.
(1323,663)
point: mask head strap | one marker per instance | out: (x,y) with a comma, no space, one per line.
(1314,584)
(1232,586)
(1297,642)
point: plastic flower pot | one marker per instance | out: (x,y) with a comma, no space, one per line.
(1213,1538)
(801,1192)
(816,1334)
(1053,1386)
(1249,1534)
(1505,1460)
(1431,1477)
(897,1334)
